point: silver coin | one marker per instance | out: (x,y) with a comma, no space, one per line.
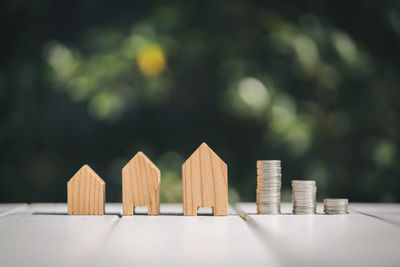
(336,205)
(304,196)
(269,183)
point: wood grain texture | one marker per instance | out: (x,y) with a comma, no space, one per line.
(205,182)
(86,193)
(42,235)
(140,185)
(327,240)
(171,240)
(11,207)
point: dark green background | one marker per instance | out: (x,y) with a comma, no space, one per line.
(313,83)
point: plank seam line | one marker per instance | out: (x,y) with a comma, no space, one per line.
(378,218)
(263,237)
(253,226)
(24,206)
(106,238)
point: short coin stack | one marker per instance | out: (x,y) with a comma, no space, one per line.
(304,197)
(336,205)
(269,180)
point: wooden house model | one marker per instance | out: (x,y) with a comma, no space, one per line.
(140,185)
(86,193)
(205,182)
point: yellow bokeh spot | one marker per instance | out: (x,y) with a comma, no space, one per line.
(151,60)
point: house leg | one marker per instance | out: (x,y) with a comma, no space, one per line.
(153,210)
(220,211)
(190,211)
(127,208)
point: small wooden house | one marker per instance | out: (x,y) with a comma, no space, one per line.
(140,185)
(205,182)
(86,193)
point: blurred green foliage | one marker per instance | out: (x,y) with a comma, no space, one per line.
(314,83)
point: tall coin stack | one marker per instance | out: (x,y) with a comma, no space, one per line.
(269,186)
(304,197)
(336,205)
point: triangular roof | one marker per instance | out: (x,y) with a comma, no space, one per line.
(92,173)
(204,147)
(141,155)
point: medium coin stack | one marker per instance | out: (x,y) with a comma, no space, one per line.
(269,186)
(304,197)
(336,205)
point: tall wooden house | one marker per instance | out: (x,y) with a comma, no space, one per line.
(205,182)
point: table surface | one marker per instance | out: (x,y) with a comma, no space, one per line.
(44,235)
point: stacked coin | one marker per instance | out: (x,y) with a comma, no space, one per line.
(304,197)
(336,205)
(269,186)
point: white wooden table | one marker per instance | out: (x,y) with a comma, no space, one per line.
(43,235)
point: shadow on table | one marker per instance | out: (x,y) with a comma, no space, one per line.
(65,214)
(119,215)
(282,213)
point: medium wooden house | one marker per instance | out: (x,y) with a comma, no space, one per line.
(140,185)
(205,182)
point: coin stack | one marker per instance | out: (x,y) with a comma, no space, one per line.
(304,197)
(269,186)
(336,205)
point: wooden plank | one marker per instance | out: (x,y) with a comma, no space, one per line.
(328,240)
(176,209)
(387,212)
(45,236)
(11,207)
(374,208)
(61,209)
(42,235)
(115,209)
(167,240)
(286,208)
